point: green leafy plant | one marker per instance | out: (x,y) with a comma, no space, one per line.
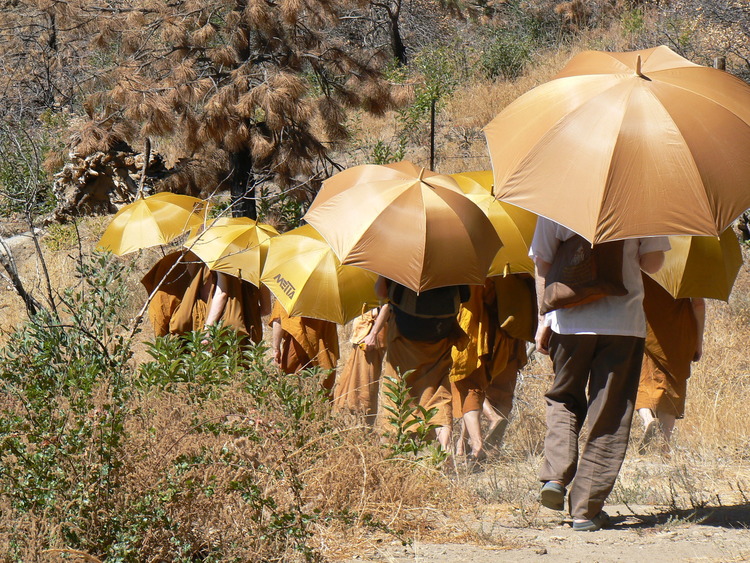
(410,422)
(441,70)
(65,389)
(506,53)
(385,153)
(25,187)
(282,207)
(633,21)
(199,363)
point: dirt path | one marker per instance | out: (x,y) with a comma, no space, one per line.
(641,533)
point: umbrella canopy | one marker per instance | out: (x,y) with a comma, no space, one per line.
(622,145)
(514,226)
(234,245)
(408,224)
(701,266)
(153,220)
(305,275)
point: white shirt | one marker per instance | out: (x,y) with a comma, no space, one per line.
(614,315)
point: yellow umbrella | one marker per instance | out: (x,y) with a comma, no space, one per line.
(305,275)
(153,220)
(406,223)
(514,225)
(234,245)
(622,145)
(701,266)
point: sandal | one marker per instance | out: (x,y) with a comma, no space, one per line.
(598,522)
(553,495)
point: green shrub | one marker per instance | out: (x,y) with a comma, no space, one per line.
(506,54)
(198,369)
(282,207)
(64,384)
(384,153)
(440,70)
(410,423)
(24,184)
(632,21)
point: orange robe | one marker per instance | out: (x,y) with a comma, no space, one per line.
(175,279)
(469,376)
(307,342)
(516,317)
(429,382)
(671,340)
(358,384)
(241,312)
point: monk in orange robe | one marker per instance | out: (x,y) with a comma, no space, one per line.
(359,382)
(674,340)
(192,297)
(514,308)
(172,274)
(303,342)
(469,376)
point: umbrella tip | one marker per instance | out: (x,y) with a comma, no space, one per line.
(421,173)
(638,67)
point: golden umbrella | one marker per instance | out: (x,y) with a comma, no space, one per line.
(700,266)
(305,275)
(406,223)
(153,220)
(514,226)
(623,145)
(234,245)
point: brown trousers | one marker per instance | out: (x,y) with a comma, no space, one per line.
(609,368)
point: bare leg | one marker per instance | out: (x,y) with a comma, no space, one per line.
(461,443)
(647,415)
(489,411)
(444,435)
(498,422)
(652,428)
(473,427)
(667,423)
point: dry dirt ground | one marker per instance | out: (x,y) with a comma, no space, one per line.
(640,533)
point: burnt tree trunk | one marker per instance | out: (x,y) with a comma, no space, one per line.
(397,44)
(243,185)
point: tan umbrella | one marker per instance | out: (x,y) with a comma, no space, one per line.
(234,245)
(406,223)
(622,145)
(514,226)
(151,221)
(305,275)
(701,266)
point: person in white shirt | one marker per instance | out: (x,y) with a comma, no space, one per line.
(596,351)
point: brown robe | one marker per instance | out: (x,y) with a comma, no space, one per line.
(176,279)
(509,359)
(307,342)
(241,312)
(429,382)
(671,340)
(358,384)
(468,374)
(516,315)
